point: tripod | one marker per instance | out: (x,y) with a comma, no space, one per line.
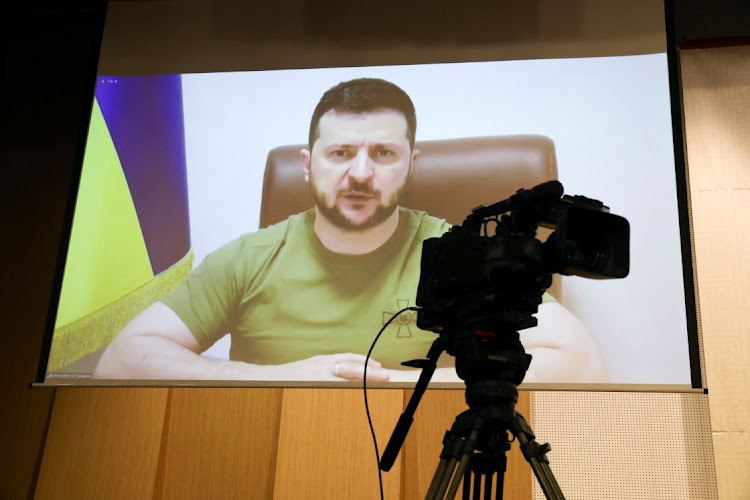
(484,427)
(475,446)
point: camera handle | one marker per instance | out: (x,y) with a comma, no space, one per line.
(428,367)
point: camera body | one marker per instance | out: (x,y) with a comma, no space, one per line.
(496,283)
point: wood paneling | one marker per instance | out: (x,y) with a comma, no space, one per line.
(732,464)
(722,249)
(716,90)
(102,443)
(325,445)
(245,443)
(717,124)
(220,443)
(716,95)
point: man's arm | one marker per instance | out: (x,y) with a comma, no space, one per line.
(562,349)
(157,345)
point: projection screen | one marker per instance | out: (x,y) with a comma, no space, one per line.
(175,175)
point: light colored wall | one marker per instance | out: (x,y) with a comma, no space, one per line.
(717,124)
(629,445)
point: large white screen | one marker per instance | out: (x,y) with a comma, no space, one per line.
(609,118)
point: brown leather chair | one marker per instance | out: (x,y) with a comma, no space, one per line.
(452,177)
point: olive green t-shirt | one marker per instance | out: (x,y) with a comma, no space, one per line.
(285,297)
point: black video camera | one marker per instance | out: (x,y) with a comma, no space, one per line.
(470,280)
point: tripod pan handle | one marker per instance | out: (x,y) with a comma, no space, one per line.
(396,441)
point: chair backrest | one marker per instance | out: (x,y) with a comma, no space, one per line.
(452,176)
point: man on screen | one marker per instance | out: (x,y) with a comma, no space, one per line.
(304,298)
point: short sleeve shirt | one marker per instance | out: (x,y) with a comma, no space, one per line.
(285,297)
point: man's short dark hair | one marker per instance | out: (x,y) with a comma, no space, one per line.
(364,95)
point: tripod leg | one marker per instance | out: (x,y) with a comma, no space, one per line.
(445,479)
(553,485)
(468,450)
(437,478)
(488,486)
(456,451)
(452,445)
(462,465)
(487,467)
(467,485)
(535,455)
(500,485)
(545,483)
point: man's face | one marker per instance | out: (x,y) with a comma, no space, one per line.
(359,167)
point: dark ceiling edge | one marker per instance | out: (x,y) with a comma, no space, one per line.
(38,7)
(714,43)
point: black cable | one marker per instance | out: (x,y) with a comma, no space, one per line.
(364,388)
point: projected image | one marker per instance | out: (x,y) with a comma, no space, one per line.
(264,226)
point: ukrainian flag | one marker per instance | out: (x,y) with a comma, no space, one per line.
(130,238)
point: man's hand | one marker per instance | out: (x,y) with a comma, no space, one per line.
(332,367)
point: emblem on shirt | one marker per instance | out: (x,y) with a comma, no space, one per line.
(405,320)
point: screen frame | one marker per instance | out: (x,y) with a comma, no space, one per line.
(683,198)
(98,13)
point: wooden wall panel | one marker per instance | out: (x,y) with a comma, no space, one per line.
(22,431)
(219,443)
(732,464)
(722,251)
(102,443)
(717,122)
(244,443)
(325,445)
(423,445)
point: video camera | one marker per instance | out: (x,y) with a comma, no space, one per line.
(474,285)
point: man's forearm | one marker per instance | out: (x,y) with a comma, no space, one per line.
(440,375)
(156,358)
(560,366)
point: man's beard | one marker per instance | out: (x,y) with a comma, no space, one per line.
(338,218)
